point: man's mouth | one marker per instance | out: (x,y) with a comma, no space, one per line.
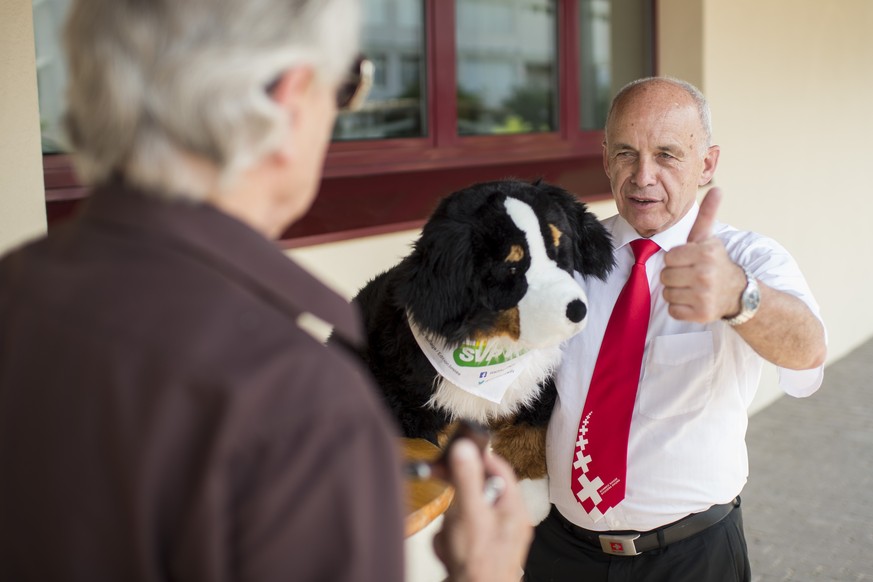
(642,201)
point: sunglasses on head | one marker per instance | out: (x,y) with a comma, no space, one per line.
(354,87)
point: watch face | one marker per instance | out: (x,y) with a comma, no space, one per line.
(752,298)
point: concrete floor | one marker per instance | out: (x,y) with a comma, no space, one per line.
(808,505)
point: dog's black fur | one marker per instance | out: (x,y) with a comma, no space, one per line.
(457,282)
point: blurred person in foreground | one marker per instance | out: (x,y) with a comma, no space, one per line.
(162,414)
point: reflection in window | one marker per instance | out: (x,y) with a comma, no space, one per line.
(393,38)
(507,66)
(51,73)
(615,47)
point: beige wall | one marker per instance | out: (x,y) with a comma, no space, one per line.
(22,202)
(791,87)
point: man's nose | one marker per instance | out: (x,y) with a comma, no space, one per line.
(644,172)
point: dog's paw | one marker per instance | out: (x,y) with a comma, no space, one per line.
(535,493)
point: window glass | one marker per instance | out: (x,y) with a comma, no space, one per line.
(507,66)
(615,47)
(51,75)
(393,39)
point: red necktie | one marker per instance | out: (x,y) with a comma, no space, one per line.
(600,456)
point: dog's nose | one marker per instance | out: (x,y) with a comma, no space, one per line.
(576,311)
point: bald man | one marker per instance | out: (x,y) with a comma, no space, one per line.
(646,446)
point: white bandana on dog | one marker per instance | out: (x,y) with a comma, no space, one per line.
(482,370)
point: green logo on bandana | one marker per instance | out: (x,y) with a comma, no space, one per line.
(480,354)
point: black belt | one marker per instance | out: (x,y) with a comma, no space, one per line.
(635,543)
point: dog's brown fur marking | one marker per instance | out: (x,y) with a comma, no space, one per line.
(508,323)
(443,436)
(523,446)
(556,234)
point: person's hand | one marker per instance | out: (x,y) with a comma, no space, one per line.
(481,541)
(701,282)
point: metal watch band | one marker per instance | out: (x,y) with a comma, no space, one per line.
(749,301)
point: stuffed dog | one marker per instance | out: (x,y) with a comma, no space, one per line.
(470,324)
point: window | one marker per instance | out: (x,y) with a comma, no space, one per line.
(48,16)
(615,37)
(503,85)
(393,39)
(464,91)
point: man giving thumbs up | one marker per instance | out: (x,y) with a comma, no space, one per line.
(719,303)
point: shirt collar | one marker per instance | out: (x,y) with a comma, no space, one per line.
(228,245)
(623,233)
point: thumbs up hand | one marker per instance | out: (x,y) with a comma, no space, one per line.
(701,282)
(701,230)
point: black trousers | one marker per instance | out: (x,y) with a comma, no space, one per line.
(717,554)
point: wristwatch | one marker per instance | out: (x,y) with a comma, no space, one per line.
(749,301)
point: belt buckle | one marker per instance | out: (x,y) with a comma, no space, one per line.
(619,545)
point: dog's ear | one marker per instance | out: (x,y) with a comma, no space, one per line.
(436,281)
(594,253)
(592,246)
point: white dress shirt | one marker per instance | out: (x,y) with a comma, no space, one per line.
(687,447)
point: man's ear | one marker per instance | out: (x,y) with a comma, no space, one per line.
(710,162)
(292,84)
(605,159)
(288,92)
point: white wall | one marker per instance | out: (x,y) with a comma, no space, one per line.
(22,197)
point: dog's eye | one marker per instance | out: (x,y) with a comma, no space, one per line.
(516,254)
(513,270)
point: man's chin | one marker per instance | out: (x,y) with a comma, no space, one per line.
(646,223)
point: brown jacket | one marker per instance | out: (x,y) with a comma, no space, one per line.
(162,416)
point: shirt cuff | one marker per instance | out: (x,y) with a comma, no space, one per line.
(800,383)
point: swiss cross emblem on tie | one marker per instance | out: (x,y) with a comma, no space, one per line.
(600,455)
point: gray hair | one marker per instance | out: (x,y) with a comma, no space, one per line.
(154,84)
(699,101)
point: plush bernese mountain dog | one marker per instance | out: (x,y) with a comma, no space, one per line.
(470,324)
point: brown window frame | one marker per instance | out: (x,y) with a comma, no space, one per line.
(378,186)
